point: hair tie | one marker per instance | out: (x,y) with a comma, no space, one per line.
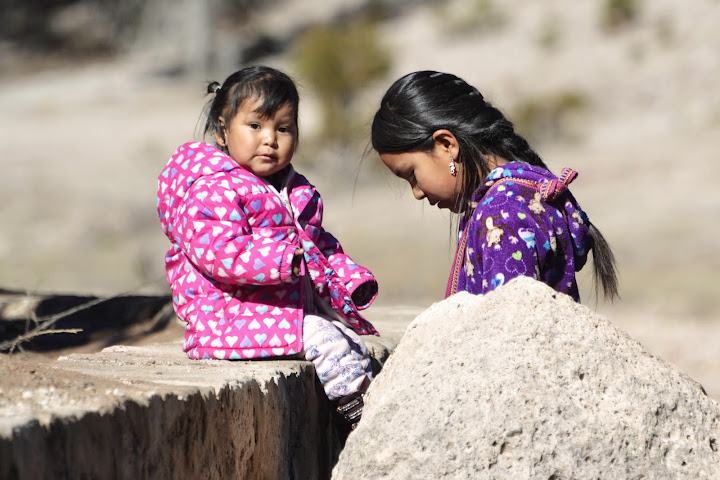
(213,87)
(552,189)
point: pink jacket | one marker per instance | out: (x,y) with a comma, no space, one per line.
(229,266)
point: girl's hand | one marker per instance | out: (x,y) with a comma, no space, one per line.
(297,261)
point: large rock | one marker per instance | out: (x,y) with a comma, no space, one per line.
(525,383)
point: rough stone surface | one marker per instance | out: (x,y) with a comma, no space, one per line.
(150,412)
(525,383)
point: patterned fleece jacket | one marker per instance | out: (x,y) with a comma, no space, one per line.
(230,263)
(525,223)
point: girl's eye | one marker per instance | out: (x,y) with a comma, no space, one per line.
(255,126)
(284,129)
(411,177)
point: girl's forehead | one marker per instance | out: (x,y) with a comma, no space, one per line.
(396,162)
(258,105)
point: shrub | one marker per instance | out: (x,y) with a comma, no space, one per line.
(544,117)
(478,15)
(337,61)
(550,34)
(618,13)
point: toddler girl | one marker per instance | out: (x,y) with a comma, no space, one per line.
(517,218)
(252,271)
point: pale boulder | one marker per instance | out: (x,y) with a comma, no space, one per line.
(525,383)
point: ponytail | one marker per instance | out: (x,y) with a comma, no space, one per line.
(604,266)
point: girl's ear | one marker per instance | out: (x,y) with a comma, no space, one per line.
(220,139)
(446,143)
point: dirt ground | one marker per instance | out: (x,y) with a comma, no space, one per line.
(81,148)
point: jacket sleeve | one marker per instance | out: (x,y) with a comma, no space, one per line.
(502,239)
(358,280)
(220,242)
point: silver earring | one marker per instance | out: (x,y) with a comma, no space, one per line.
(453,170)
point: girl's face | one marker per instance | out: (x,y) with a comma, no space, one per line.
(261,145)
(428,174)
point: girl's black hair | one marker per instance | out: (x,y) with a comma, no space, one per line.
(274,87)
(420,103)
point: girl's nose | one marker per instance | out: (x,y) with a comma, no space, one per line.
(417,193)
(270,137)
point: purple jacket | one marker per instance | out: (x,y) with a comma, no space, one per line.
(525,222)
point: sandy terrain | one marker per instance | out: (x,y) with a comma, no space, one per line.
(81,148)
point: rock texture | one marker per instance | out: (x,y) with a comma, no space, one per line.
(525,383)
(133,412)
(150,412)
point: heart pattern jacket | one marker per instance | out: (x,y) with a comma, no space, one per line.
(230,263)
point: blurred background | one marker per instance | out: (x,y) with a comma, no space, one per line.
(95,95)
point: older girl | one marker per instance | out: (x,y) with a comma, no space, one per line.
(517,218)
